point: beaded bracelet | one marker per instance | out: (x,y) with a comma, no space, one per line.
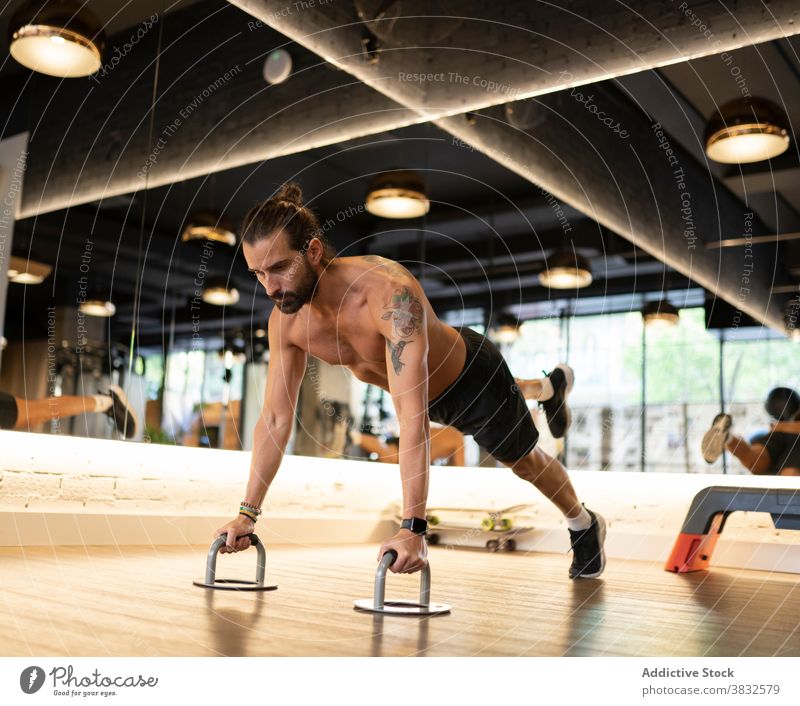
(249,514)
(252,508)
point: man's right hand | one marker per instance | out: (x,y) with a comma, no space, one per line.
(236,528)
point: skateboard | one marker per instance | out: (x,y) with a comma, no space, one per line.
(490,520)
(500,540)
(496,530)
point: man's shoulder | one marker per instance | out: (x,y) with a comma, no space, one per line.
(275,318)
(386,280)
(281,326)
(390,267)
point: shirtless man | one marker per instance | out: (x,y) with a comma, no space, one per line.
(371,315)
(776,453)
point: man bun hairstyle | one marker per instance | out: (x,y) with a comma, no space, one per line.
(290,191)
(285,211)
(783,404)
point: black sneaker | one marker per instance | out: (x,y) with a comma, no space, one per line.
(714,439)
(588,555)
(121,413)
(555,409)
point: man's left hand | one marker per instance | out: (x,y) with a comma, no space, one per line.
(412,552)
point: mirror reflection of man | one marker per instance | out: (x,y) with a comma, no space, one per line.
(776,452)
(371,315)
(19,414)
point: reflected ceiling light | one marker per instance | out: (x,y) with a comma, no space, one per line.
(57,37)
(97,306)
(660,314)
(208,225)
(3,343)
(23,270)
(260,333)
(397,194)
(566,270)
(505,329)
(747,130)
(219,293)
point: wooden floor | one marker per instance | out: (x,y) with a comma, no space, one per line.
(138,601)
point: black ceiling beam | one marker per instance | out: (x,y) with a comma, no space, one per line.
(500,299)
(584,235)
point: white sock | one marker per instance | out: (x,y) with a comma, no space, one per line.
(581,521)
(547,390)
(102,403)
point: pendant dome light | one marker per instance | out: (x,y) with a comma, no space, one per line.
(660,314)
(506,329)
(57,37)
(566,270)
(96,301)
(219,293)
(398,193)
(209,224)
(23,270)
(747,130)
(97,306)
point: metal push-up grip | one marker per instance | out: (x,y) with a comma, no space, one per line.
(211,580)
(379,604)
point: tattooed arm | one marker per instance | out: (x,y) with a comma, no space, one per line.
(401,321)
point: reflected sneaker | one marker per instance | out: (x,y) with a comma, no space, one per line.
(588,555)
(121,413)
(714,439)
(556,410)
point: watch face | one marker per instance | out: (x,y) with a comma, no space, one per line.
(415,525)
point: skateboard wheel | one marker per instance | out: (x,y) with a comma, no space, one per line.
(504,524)
(433,520)
(433,539)
(487,524)
(493,545)
(510,545)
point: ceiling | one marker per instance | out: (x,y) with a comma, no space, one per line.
(483,242)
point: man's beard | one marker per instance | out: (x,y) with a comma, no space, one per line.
(291,302)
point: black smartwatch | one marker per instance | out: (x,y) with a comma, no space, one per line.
(414,524)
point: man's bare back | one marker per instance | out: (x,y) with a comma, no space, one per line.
(340,328)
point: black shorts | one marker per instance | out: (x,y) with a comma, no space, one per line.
(485,402)
(8,411)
